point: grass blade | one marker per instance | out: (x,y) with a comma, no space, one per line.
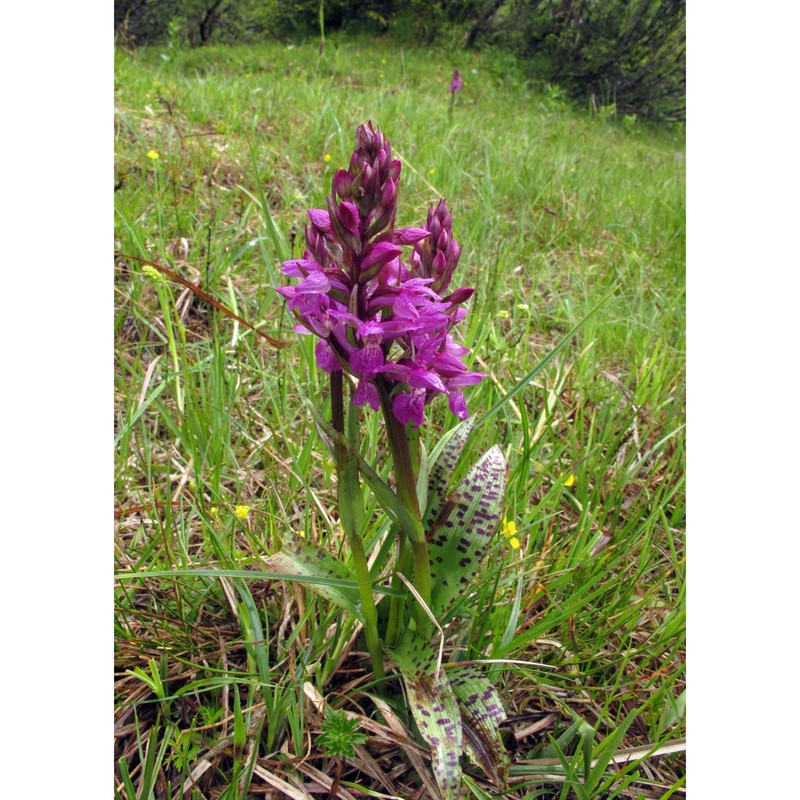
(541,365)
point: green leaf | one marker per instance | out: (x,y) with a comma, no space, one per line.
(460,536)
(239,730)
(482,713)
(153,680)
(299,557)
(434,707)
(254,575)
(673,712)
(339,735)
(130,790)
(476,790)
(571,778)
(423,467)
(605,751)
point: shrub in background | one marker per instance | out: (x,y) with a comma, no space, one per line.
(631,53)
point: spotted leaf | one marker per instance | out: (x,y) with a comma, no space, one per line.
(434,707)
(482,713)
(441,472)
(462,531)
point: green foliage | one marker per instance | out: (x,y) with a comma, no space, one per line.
(204,22)
(195,22)
(627,53)
(339,735)
(300,558)
(418,21)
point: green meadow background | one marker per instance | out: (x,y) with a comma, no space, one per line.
(558,208)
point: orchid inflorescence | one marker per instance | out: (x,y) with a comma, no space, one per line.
(379,318)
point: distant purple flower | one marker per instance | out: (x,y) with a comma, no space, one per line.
(379,319)
(456,83)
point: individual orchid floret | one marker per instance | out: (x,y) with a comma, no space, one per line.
(366,394)
(409,235)
(375,258)
(368,360)
(409,407)
(327,359)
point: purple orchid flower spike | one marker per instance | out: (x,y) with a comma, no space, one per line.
(381,319)
(456,83)
(437,255)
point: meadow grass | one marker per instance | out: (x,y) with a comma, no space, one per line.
(220,678)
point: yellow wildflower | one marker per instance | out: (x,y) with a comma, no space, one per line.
(241,512)
(326,157)
(152,154)
(503,314)
(510,532)
(214,512)
(569,480)
(432,171)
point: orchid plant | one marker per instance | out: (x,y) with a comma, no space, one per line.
(456,84)
(380,301)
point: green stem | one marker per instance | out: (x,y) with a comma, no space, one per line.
(333,657)
(349,497)
(407,492)
(398,604)
(164,298)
